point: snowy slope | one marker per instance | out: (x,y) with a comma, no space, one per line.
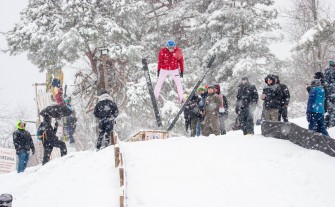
(231,170)
(78,179)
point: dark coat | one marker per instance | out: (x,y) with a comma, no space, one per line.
(50,132)
(273,94)
(246,96)
(329,77)
(106,108)
(71,121)
(191,111)
(23,141)
(285,95)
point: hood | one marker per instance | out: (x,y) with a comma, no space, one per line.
(18,124)
(105,97)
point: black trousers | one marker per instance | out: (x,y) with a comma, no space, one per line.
(282,113)
(105,128)
(246,118)
(48,147)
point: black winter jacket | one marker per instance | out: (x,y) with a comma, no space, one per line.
(50,132)
(273,97)
(285,95)
(246,96)
(191,111)
(106,108)
(22,140)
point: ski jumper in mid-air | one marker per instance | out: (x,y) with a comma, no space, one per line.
(170,62)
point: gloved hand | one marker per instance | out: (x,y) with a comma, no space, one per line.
(158,73)
(33,151)
(56,124)
(309,116)
(237,111)
(181,74)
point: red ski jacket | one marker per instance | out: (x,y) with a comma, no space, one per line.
(170,60)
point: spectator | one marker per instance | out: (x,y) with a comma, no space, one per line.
(285,100)
(223,110)
(70,122)
(105,110)
(315,108)
(23,143)
(211,123)
(247,98)
(202,95)
(192,114)
(50,140)
(272,99)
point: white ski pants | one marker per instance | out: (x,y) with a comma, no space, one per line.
(176,78)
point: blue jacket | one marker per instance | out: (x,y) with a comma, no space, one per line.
(316,100)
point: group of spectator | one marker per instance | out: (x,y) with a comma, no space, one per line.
(207,111)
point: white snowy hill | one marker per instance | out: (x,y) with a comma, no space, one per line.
(225,171)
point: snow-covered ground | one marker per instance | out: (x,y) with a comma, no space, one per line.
(231,171)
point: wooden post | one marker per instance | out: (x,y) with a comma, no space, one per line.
(121,201)
(112,140)
(104,68)
(121,171)
(121,159)
(116,156)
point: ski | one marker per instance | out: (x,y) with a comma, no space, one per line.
(192,93)
(151,92)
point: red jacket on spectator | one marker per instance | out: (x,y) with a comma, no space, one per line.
(59,97)
(170,60)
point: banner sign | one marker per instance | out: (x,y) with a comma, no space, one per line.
(7,160)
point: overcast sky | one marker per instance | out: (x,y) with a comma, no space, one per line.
(17,73)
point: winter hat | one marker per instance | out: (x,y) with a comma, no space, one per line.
(211,86)
(170,43)
(316,82)
(201,89)
(331,63)
(217,87)
(318,75)
(18,124)
(103,91)
(271,77)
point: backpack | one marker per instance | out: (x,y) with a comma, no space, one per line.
(41,133)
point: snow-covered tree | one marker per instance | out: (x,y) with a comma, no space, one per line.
(311,30)
(61,32)
(238,32)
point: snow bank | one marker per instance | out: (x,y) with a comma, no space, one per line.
(231,170)
(78,179)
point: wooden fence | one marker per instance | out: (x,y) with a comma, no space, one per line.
(120,161)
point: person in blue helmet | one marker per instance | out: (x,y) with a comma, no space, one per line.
(170,62)
(23,143)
